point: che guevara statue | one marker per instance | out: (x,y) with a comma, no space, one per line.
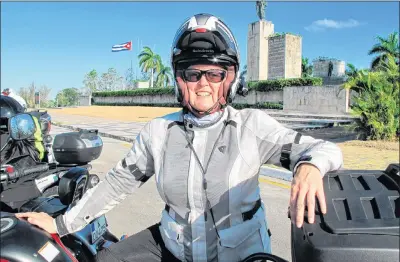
(260,7)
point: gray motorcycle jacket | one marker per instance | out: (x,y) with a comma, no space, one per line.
(208,178)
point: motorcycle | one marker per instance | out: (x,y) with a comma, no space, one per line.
(368,231)
(330,238)
(71,184)
(72,149)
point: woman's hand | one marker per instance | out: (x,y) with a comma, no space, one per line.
(306,184)
(41,220)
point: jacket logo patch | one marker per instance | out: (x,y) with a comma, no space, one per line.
(222,149)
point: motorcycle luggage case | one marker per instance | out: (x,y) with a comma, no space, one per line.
(361,224)
(77,147)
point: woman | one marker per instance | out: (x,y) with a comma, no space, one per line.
(205,160)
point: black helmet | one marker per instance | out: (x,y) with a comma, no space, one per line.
(204,38)
(9,107)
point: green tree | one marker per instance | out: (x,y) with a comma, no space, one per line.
(91,81)
(377,101)
(110,81)
(164,77)
(61,99)
(44,92)
(68,97)
(129,78)
(306,68)
(149,62)
(28,94)
(51,103)
(384,48)
(351,70)
(24,93)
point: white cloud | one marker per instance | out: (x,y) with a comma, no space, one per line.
(321,25)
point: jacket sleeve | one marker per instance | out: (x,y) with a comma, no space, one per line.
(128,174)
(273,138)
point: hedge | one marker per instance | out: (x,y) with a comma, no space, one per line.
(279,84)
(137,104)
(136,92)
(260,86)
(265,105)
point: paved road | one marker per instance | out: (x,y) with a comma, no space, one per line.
(127,131)
(144,207)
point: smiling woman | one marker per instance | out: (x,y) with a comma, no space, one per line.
(203,84)
(206,160)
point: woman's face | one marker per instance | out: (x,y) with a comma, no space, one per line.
(203,91)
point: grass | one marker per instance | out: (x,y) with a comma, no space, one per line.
(370,155)
(357,154)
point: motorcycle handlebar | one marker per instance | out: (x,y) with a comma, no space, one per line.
(24,172)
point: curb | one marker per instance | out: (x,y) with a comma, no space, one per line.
(276,173)
(122,138)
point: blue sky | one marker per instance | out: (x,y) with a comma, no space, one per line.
(55,43)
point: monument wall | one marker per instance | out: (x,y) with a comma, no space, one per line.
(321,67)
(284,56)
(293,53)
(85,100)
(307,99)
(257,50)
(316,99)
(276,57)
(252,98)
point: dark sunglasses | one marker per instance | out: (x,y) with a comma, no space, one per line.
(212,75)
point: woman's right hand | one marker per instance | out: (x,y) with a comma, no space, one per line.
(42,220)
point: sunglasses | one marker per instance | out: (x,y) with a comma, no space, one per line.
(212,75)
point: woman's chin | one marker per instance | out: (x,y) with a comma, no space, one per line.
(202,107)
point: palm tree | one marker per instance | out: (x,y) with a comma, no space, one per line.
(385,47)
(149,61)
(391,69)
(306,69)
(351,70)
(164,76)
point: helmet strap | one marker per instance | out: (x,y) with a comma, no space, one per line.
(217,106)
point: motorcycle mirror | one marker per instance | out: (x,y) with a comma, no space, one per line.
(21,126)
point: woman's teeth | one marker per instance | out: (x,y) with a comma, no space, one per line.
(203,94)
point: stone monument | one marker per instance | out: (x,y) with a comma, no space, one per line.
(270,56)
(284,55)
(257,45)
(260,6)
(331,70)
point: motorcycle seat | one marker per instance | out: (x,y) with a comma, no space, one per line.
(49,205)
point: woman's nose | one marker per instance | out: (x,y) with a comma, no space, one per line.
(203,81)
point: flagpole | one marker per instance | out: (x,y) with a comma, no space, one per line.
(137,58)
(131,60)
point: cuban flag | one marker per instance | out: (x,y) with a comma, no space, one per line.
(122,47)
